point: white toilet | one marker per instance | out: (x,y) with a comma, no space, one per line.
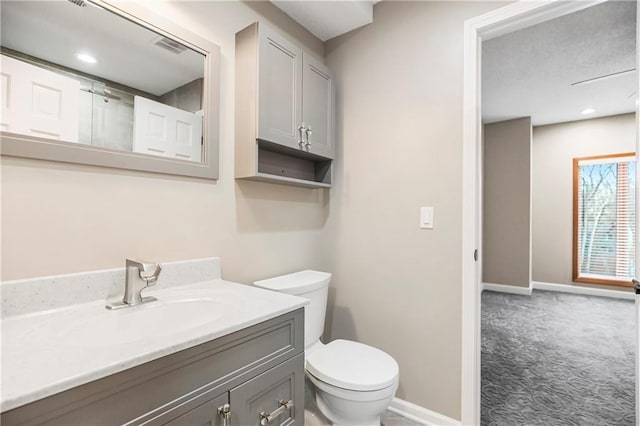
(354,383)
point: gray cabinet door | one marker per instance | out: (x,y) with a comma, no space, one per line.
(203,415)
(279,89)
(317,106)
(263,394)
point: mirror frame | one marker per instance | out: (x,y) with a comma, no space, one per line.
(16,145)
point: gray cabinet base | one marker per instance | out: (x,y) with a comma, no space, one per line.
(186,383)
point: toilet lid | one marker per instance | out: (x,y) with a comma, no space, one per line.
(354,366)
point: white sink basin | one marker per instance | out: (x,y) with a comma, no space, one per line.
(51,351)
(142,322)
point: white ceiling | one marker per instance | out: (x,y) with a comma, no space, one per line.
(530,72)
(56,30)
(328,19)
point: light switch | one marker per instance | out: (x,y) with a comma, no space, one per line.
(426,217)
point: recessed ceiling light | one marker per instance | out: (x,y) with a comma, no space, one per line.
(84,57)
(588,111)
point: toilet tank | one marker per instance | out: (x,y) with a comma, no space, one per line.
(312,285)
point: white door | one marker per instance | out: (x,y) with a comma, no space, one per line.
(38,102)
(10,100)
(159,129)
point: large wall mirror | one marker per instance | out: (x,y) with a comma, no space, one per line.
(118,86)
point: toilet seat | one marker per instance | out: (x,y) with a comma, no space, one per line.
(353,395)
(353,366)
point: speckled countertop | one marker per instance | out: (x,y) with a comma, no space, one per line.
(47,352)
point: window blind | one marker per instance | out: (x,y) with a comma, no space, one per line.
(606,217)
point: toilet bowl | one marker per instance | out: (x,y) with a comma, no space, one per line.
(352,408)
(354,383)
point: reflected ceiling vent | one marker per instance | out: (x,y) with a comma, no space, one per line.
(168,44)
(80,3)
(85,3)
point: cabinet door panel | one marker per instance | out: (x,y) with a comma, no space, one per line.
(203,415)
(279,89)
(263,393)
(317,106)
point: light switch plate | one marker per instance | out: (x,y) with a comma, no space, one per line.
(426,217)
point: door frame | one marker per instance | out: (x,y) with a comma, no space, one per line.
(637,218)
(512,17)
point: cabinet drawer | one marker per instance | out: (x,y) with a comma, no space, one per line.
(205,414)
(173,385)
(263,396)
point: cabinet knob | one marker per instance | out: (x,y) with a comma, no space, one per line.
(265,418)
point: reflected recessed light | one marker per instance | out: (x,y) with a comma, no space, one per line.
(86,58)
(588,111)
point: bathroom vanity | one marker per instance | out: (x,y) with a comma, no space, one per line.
(206,353)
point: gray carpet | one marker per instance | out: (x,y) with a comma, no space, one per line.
(557,359)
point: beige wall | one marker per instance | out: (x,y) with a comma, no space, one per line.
(399,139)
(554,148)
(506,205)
(59,218)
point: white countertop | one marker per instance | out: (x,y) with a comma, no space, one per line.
(47,352)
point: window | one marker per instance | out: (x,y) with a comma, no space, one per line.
(604,219)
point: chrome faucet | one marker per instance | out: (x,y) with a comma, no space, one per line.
(138,276)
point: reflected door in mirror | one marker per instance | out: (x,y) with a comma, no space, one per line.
(167,131)
(37,102)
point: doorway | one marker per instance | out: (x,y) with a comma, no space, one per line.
(502,21)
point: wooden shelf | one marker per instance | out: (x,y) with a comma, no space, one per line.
(264,177)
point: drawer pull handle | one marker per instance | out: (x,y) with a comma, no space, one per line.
(265,418)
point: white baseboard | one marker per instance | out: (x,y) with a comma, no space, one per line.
(564,288)
(503,288)
(420,414)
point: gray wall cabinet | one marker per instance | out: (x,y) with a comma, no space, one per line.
(257,371)
(284,111)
